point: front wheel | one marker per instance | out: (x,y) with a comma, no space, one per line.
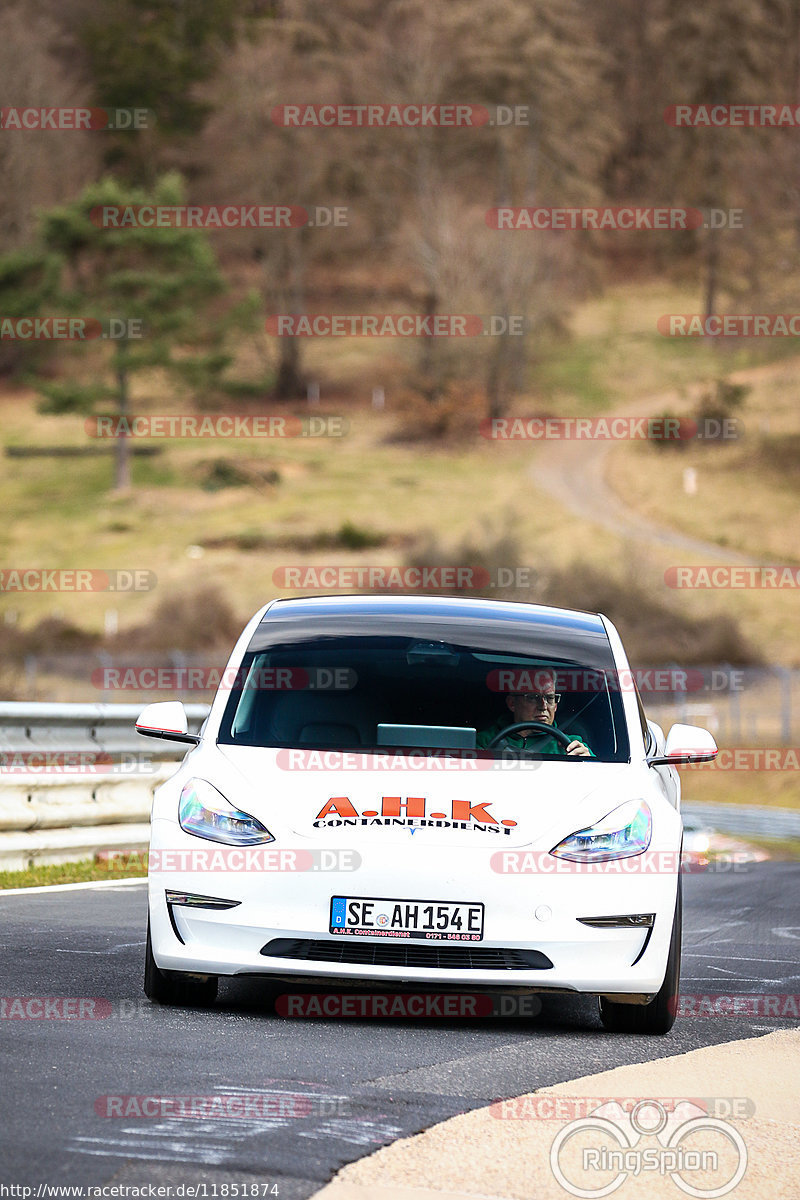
(175,987)
(659,1015)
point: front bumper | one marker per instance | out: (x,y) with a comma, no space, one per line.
(521,913)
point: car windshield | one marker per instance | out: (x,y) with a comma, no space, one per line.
(418,693)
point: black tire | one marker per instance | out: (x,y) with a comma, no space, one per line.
(659,1015)
(174,987)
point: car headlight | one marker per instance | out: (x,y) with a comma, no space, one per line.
(206,813)
(621,834)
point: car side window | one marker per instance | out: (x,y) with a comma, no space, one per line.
(647,734)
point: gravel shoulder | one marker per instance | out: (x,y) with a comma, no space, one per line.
(479,1154)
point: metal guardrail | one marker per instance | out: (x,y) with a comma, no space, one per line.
(758,820)
(91,779)
(75,778)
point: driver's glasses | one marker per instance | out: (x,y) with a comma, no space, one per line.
(540,697)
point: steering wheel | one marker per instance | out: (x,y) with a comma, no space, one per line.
(538,726)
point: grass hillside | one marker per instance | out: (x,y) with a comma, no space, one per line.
(228,513)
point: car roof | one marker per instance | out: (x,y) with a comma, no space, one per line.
(463,608)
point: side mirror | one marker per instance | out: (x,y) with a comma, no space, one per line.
(686,744)
(167,720)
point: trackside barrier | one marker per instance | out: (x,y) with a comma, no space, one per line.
(757,819)
(75,778)
(66,814)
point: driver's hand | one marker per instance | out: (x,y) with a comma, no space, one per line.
(578,748)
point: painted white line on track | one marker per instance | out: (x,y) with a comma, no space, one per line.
(733,957)
(70,887)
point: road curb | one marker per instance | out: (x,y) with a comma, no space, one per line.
(479,1155)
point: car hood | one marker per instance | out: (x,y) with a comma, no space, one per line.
(341,799)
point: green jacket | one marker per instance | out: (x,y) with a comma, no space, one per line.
(537,744)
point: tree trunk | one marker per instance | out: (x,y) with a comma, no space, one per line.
(430,384)
(712,272)
(289,291)
(122,451)
(289,384)
(498,376)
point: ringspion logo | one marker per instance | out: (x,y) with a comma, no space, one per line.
(693,1148)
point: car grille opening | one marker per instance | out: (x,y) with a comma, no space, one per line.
(405,954)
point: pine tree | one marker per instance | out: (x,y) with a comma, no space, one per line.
(158,281)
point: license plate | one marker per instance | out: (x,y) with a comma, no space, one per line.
(440,920)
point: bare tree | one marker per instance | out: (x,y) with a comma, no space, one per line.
(250,157)
(38,167)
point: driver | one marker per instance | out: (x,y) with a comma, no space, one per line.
(533,706)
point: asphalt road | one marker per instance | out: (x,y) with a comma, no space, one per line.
(348,1085)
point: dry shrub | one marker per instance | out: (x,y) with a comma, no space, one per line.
(654,633)
(453,417)
(200,620)
(51,635)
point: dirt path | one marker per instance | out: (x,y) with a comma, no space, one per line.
(575,474)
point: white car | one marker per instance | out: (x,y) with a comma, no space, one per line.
(363,807)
